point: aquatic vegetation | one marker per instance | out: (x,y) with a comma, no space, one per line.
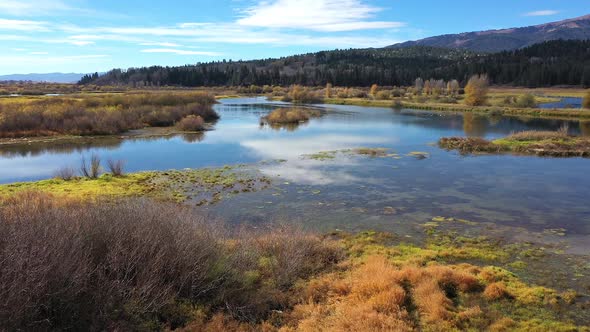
(290,115)
(419,154)
(202,186)
(371,152)
(100,114)
(363,152)
(540,143)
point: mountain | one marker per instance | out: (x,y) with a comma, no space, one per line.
(50,78)
(509,39)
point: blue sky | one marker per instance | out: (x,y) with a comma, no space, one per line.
(44,36)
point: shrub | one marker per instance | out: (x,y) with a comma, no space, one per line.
(303,95)
(137,263)
(99,266)
(526,101)
(586,101)
(116,167)
(103,115)
(290,115)
(495,291)
(191,123)
(383,95)
(476,91)
(91,170)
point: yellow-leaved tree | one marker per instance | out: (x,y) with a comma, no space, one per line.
(374,89)
(476,91)
(586,102)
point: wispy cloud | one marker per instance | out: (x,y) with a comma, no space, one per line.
(23,25)
(319,15)
(179,52)
(542,13)
(161,44)
(33,7)
(38,53)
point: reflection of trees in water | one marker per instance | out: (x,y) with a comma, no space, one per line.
(284,126)
(58,147)
(80,145)
(474,125)
(193,137)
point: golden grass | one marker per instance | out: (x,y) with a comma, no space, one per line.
(291,115)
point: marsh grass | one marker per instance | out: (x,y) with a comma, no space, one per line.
(101,114)
(283,116)
(542,143)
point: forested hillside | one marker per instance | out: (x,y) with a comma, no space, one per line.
(550,63)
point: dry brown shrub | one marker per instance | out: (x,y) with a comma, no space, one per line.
(495,291)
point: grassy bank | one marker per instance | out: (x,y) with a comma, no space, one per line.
(540,143)
(144,265)
(441,107)
(100,114)
(201,186)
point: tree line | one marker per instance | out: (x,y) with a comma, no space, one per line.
(559,62)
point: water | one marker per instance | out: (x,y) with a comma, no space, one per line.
(565,102)
(513,196)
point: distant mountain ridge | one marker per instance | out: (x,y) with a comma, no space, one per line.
(509,39)
(49,78)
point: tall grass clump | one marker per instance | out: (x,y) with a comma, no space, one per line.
(100,115)
(586,100)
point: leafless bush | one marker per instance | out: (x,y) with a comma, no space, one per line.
(94,267)
(114,266)
(116,167)
(95,166)
(65,173)
(91,170)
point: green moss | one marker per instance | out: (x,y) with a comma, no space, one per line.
(207,185)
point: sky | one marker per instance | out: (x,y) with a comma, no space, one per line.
(84,36)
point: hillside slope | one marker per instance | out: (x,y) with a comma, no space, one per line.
(509,39)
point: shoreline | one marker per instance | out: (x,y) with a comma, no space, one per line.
(565,114)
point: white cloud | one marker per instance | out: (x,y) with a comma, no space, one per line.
(38,53)
(23,25)
(162,44)
(542,13)
(319,15)
(179,52)
(32,7)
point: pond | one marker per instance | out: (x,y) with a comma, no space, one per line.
(511,196)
